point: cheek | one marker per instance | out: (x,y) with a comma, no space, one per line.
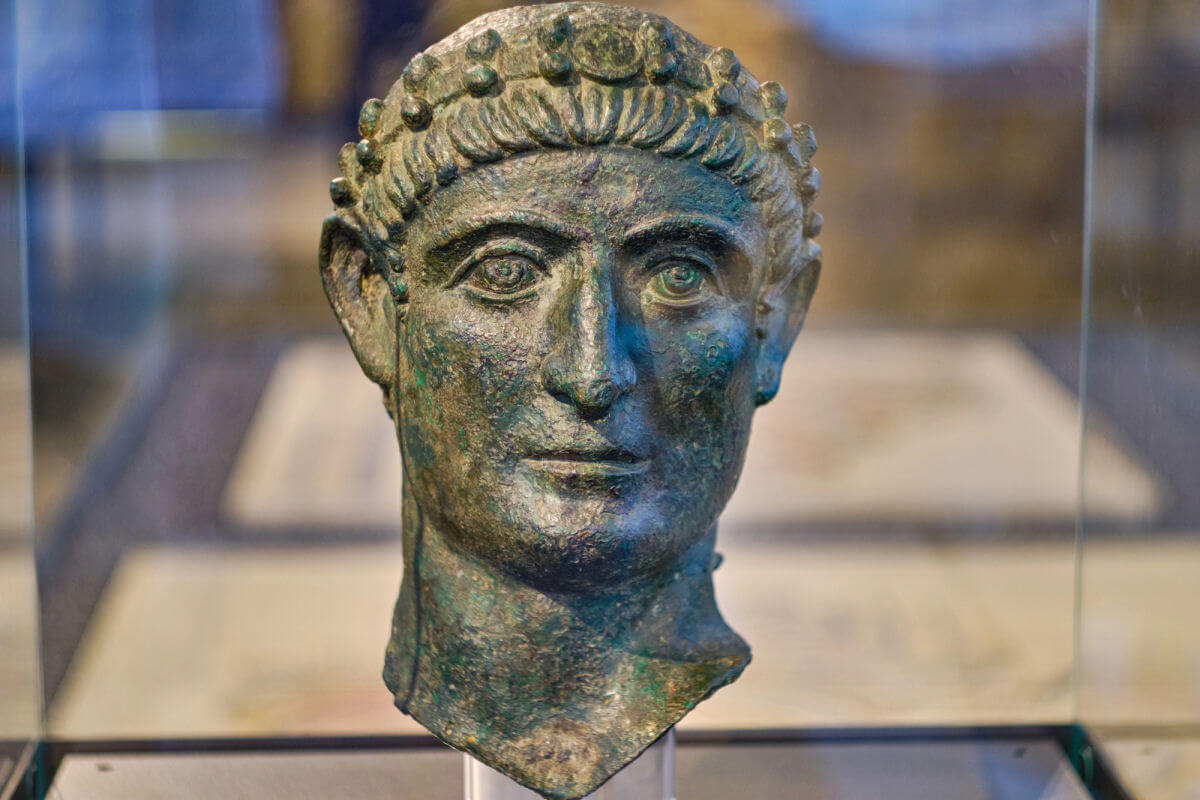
(704,368)
(463,373)
(705,404)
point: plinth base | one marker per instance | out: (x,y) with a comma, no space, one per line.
(914,765)
(650,776)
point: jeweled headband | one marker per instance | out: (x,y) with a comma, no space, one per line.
(579,74)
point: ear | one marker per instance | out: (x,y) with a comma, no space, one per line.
(782,307)
(359,293)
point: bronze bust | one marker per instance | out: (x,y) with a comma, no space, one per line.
(573,247)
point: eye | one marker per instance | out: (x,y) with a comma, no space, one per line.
(503,276)
(680,282)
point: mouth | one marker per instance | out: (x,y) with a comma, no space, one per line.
(601,463)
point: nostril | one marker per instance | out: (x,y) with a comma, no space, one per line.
(595,396)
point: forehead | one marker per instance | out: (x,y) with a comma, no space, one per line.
(604,190)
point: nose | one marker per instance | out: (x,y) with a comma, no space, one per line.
(588,365)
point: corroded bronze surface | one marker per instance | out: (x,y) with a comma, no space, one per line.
(573,246)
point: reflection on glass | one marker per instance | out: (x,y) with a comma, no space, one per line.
(20,690)
(1139,644)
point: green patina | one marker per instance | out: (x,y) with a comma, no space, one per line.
(574,247)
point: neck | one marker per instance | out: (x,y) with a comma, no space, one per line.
(556,690)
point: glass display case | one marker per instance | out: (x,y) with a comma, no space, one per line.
(965,545)
(1138,648)
(20,676)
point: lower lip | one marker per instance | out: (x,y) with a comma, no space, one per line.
(572,468)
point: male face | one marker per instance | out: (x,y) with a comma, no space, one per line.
(575,375)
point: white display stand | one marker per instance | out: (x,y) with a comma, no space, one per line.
(651,776)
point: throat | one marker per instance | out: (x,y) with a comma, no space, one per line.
(558,691)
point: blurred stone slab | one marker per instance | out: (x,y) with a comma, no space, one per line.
(420,774)
(894,426)
(20,675)
(1139,638)
(321,450)
(1009,770)
(1156,769)
(258,642)
(913,634)
(237,642)
(984,770)
(16,466)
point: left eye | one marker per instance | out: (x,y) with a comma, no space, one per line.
(678,282)
(502,276)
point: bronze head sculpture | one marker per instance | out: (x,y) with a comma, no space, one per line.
(573,247)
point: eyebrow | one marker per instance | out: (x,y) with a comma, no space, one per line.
(461,228)
(669,224)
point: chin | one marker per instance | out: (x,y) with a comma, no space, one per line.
(582,550)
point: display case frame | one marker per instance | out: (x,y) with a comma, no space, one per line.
(932,750)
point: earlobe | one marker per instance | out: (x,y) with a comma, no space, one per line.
(768,384)
(782,308)
(361,297)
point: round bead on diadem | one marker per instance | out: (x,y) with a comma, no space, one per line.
(368,118)
(415,112)
(555,66)
(661,66)
(555,31)
(484,45)
(813,222)
(415,109)
(774,98)
(723,65)
(776,132)
(416,74)
(807,140)
(341,192)
(656,36)
(811,183)
(660,59)
(725,97)
(368,155)
(479,79)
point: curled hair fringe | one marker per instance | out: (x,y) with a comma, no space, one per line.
(418,169)
(650,118)
(639,105)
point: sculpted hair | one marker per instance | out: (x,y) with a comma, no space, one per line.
(692,103)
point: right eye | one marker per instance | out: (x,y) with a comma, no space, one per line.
(502,277)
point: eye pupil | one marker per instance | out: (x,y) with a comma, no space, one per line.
(682,274)
(504,275)
(681,279)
